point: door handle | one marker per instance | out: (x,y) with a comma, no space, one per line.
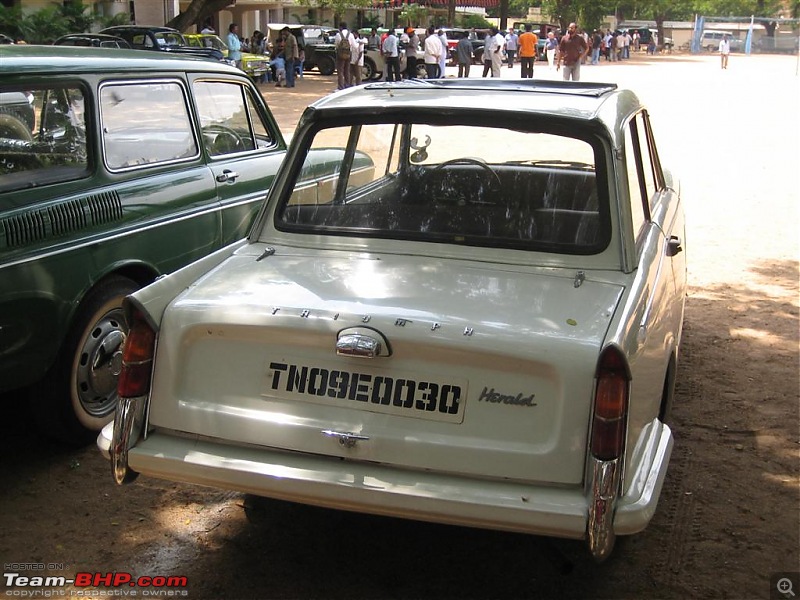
(227,175)
(674,245)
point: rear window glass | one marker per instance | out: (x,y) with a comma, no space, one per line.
(460,184)
(42,136)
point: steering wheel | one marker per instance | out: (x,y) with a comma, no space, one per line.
(468,160)
(224,140)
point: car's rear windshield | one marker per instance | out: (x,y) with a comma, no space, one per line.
(458,184)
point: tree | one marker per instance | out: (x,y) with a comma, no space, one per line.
(588,14)
(413,15)
(77,16)
(10,21)
(197,12)
(337,6)
(474,20)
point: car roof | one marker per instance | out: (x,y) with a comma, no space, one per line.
(29,58)
(99,37)
(573,100)
(291,26)
(155,28)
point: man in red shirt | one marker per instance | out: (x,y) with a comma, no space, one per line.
(572,49)
(528,43)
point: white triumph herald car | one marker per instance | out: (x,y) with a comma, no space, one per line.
(475,320)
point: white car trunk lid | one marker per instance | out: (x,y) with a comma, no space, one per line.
(484,370)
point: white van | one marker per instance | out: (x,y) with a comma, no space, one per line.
(711,39)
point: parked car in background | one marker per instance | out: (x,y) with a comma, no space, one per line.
(122,167)
(255,65)
(375,64)
(318,48)
(710,41)
(161,39)
(482,334)
(97,40)
(478,42)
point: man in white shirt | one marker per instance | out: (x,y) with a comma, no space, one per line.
(443,57)
(342,61)
(357,45)
(724,50)
(433,52)
(512,41)
(497,51)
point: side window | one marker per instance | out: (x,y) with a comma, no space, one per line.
(641,172)
(42,136)
(374,155)
(145,123)
(229,119)
(648,159)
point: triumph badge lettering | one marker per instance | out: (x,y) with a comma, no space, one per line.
(377,392)
(488,395)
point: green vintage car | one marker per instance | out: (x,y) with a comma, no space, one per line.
(255,65)
(116,167)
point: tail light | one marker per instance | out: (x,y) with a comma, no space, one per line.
(137,358)
(610,405)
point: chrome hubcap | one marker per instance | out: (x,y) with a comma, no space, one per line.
(100,363)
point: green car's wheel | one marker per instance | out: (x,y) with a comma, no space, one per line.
(79,395)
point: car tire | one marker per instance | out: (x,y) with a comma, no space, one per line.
(369,70)
(326,65)
(422,72)
(668,395)
(79,395)
(12,128)
(478,57)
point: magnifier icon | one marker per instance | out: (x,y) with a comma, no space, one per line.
(784,586)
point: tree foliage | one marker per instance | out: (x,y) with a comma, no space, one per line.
(474,20)
(10,21)
(413,14)
(46,24)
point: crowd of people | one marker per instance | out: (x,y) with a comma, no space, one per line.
(403,49)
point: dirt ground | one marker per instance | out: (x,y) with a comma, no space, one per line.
(728,521)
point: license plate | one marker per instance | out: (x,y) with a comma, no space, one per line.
(415,395)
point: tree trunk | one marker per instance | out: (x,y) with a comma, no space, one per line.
(197,12)
(503,15)
(660,18)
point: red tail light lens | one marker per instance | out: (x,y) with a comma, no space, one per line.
(610,405)
(137,359)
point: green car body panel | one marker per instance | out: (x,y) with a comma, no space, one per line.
(66,233)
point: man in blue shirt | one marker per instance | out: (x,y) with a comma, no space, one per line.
(234,45)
